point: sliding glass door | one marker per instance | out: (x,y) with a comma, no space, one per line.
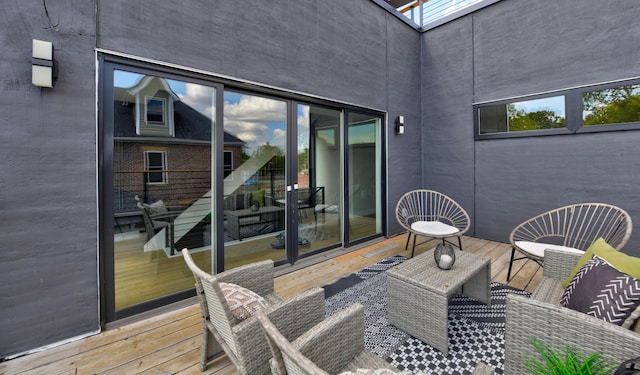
(234,176)
(365,176)
(255,159)
(319,170)
(156,154)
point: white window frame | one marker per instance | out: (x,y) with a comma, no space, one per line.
(163,122)
(148,170)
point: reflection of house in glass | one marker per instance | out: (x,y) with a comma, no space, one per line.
(162,150)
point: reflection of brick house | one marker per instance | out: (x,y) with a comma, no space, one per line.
(159,138)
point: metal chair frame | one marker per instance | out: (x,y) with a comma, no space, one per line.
(575,226)
(430,205)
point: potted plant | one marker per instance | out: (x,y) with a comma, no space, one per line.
(565,362)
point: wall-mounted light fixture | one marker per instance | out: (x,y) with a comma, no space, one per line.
(400,125)
(44,70)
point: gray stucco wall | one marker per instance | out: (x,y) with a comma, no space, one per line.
(48,214)
(353,51)
(447,91)
(518,48)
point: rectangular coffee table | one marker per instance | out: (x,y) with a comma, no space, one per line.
(266,214)
(419,292)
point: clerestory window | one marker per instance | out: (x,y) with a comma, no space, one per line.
(605,107)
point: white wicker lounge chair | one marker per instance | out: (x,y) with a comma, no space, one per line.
(243,341)
(542,317)
(431,214)
(573,228)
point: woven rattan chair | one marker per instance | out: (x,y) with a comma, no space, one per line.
(541,316)
(572,228)
(431,214)
(333,346)
(243,341)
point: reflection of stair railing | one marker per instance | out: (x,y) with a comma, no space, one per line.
(200,208)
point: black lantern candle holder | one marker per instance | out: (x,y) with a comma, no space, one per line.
(444,256)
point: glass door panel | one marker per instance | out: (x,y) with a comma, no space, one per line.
(161,184)
(319,171)
(255,135)
(364,176)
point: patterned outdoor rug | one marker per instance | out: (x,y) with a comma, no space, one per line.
(476,332)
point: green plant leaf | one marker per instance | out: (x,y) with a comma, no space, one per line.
(569,361)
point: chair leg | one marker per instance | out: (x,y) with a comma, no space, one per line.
(413,249)
(460,243)
(406,246)
(513,253)
(205,347)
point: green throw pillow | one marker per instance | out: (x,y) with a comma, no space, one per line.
(623,262)
(258,195)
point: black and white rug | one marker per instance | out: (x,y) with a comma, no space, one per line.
(476,331)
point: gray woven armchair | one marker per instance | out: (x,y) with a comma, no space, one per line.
(542,317)
(243,341)
(333,346)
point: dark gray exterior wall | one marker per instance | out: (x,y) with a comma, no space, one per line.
(48,199)
(447,91)
(354,51)
(349,51)
(516,48)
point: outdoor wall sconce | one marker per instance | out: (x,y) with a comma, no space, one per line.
(400,125)
(44,70)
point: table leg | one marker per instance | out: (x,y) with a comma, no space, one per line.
(479,286)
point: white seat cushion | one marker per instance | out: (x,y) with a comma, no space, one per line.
(537,248)
(434,228)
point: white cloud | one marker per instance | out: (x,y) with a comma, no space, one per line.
(256,120)
(200,98)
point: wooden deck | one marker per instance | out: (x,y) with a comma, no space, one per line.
(169,343)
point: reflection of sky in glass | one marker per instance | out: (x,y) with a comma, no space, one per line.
(254,119)
(555,104)
(125,79)
(199,97)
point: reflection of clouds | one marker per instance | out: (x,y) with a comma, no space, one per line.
(256,121)
(255,108)
(303,118)
(303,127)
(200,98)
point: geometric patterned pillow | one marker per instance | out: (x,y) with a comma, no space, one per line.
(604,292)
(241,301)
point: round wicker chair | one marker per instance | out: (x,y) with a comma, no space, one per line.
(572,228)
(431,214)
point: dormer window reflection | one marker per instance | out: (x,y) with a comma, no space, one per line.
(155,110)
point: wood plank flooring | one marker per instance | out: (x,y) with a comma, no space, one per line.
(169,343)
